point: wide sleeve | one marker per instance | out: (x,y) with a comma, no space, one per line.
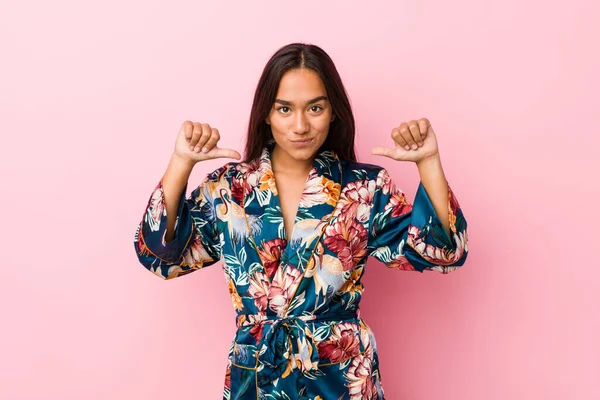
(196,243)
(411,236)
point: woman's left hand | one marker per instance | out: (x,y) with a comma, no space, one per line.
(418,136)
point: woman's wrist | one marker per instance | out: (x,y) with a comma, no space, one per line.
(181,163)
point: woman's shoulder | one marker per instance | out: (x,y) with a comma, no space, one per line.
(226,171)
(361,170)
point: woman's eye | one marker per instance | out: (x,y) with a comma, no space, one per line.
(285,110)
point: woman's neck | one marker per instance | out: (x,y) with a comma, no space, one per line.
(284,163)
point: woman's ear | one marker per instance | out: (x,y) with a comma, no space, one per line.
(268,120)
(332,117)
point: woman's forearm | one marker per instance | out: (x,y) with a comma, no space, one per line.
(435,183)
(174,181)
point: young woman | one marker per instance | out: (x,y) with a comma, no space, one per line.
(293,225)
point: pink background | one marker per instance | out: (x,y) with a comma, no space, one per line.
(91,98)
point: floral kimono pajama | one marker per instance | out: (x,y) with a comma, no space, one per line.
(299,333)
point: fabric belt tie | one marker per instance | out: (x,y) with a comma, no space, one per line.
(289,341)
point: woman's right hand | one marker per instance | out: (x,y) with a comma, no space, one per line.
(198,142)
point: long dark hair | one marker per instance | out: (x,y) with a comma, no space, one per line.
(340,137)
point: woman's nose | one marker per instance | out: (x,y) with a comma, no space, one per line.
(300,124)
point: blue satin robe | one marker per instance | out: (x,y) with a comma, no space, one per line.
(299,333)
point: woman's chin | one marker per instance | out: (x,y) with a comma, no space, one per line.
(301,151)
(304,154)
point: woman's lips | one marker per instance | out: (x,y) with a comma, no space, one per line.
(302,143)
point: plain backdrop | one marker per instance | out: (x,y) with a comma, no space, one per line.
(92,95)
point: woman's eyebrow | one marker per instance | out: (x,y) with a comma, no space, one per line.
(289,103)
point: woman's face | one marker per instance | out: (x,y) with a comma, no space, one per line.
(300,115)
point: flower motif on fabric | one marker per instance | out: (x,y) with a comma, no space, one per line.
(156,208)
(398,204)
(319,190)
(434,254)
(241,187)
(356,200)
(453,208)
(348,239)
(267,179)
(400,262)
(352,285)
(282,288)
(270,252)
(259,289)
(385,183)
(196,254)
(236,300)
(341,345)
(361,384)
